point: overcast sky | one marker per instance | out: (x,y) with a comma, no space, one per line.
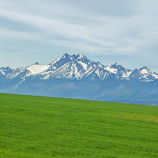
(122,31)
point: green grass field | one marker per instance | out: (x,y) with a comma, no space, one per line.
(42,127)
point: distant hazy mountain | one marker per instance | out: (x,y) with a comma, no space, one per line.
(75,76)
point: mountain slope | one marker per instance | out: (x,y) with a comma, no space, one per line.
(79,67)
(75,76)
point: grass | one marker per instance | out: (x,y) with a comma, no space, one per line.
(43,127)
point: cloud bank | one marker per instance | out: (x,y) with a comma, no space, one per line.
(125,30)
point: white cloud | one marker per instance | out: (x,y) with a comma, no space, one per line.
(98,27)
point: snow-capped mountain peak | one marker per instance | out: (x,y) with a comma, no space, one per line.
(75,76)
(36,63)
(79,67)
(145,70)
(79,57)
(5,70)
(115,64)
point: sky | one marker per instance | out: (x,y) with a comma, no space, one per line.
(109,31)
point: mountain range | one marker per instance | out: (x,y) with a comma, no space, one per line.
(75,76)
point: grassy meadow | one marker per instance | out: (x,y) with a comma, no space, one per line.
(43,127)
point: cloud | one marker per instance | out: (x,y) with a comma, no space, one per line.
(102,27)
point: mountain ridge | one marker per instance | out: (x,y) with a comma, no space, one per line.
(79,67)
(75,76)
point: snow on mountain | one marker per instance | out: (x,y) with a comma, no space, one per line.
(19,72)
(155,75)
(75,76)
(110,69)
(24,72)
(79,67)
(37,68)
(5,70)
(70,69)
(2,72)
(143,74)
